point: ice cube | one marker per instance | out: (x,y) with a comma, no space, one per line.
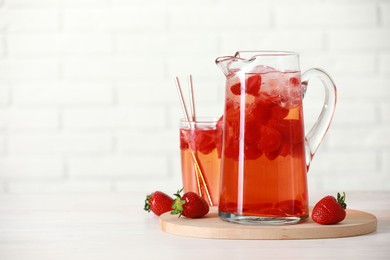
(279,87)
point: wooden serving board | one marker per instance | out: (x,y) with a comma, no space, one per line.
(211,226)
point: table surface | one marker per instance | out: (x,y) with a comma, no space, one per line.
(114,226)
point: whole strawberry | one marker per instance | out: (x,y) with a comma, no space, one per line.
(190,205)
(329,210)
(158,202)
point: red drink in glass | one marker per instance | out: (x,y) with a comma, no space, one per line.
(200,147)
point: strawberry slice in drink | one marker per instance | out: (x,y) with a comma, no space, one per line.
(262,111)
(270,140)
(286,149)
(232,148)
(183,141)
(278,112)
(205,141)
(295,81)
(252,151)
(236,89)
(251,138)
(252,85)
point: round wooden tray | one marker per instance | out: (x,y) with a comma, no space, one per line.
(211,226)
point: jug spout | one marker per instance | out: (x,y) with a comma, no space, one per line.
(224,63)
(232,64)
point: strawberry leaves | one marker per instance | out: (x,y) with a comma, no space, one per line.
(190,205)
(341,200)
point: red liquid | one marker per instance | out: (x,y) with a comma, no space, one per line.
(263,165)
(204,144)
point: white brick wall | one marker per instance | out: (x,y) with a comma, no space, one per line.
(88,103)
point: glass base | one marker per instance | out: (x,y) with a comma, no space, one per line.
(259,220)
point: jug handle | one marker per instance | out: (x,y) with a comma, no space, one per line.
(316,134)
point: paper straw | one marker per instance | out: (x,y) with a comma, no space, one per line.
(183,104)
(192,98)
(198,170)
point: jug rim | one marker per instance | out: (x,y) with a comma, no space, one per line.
(268,53)
(264,53)
(246,60)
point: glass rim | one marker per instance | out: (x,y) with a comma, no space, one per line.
(200,120)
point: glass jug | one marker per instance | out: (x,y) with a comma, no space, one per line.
(265,153)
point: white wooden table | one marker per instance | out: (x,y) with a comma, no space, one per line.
(114,226)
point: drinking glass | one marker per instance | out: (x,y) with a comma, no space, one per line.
(200,149)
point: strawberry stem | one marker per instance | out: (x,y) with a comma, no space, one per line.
(177,206)
(147,203)
(177,194)
(341,200)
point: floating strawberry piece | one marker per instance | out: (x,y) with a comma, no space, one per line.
(251,130)
(252,151)
(285,150)
(236,89)
(329,210)
(183,141)
(270,140)
(231,148)
(278,112)
(205,141)
(272,155)
(253,84)
(295,81)
(251,138)
(261,111)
